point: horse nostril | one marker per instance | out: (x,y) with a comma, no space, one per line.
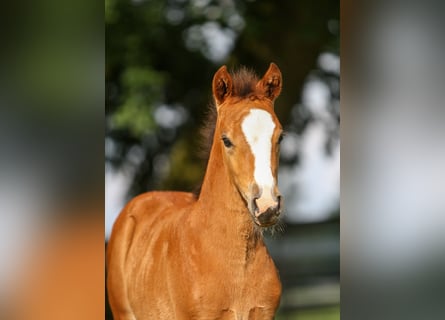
(255,206)
(276,209)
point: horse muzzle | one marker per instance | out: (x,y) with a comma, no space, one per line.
(266,212)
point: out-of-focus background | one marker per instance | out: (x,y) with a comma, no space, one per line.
(160,60)
(393,160)
(51,159)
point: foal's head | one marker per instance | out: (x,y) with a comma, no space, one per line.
(249,135)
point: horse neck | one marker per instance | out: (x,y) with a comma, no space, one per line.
(221,207)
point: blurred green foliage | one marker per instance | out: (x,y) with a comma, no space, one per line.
(140,88)
(50,58)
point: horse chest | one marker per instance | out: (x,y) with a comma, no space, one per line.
(252,292)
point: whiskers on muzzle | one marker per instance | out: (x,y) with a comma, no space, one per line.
(274,229)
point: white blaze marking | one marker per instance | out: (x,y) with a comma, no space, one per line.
(258,128)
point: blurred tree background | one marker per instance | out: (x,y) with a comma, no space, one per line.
(160,59)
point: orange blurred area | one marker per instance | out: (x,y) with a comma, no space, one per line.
(63,276)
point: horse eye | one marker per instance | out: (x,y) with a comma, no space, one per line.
(227,142)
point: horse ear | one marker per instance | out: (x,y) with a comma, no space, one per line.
(270,84)
(222,85)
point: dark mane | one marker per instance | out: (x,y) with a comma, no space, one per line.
(244,82)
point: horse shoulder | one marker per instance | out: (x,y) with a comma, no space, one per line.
(157,217)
